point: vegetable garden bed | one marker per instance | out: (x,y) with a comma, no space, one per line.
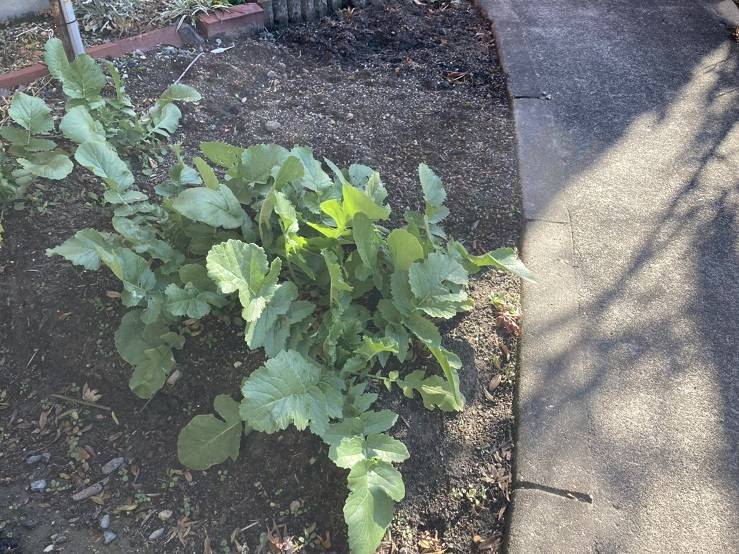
(388,87)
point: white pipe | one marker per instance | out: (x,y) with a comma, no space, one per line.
(73,30)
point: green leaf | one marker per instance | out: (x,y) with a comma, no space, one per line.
(207,440)
(404,249)
(338,282)
(217,208)
(505,259)
(56,58)
(290,171)
(273,327)
(82,248)
(259,160)
(367,240)
(206,172)
(314,178)
(238,266)
(188,301)
(366,423)
(147,347)
(79,126)
(132,270)
(49,165)
(103,161)
(368,510)
(178,92)
(438,285)
(164,119)
(435,392)
(353,450)
(82,79)
(433,190)
(290,389)
(31,113)
(357,201)
(222,154)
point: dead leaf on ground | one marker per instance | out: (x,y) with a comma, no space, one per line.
(431,544)
(90,395)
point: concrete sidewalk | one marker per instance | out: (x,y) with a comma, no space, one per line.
(627,119)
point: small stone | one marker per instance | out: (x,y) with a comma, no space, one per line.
(49,548)
(105,522)
(294,506)
(271,75)
(38,486)
(349,116)
(113,464)
(164,515)
(219,41)
(272,126)
(138,52)
(281,65)
(85,493)
(29,523)
(58,538)
(156,534)
(169,50)
(109,537)
(36,458)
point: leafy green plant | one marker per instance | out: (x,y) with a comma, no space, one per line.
(30,154)
(102,125)
(336,299)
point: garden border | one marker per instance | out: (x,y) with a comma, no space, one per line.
(237,20)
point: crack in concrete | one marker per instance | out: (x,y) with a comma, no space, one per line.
(564,493)
(542,96)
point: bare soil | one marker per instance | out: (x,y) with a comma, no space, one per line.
(389,86)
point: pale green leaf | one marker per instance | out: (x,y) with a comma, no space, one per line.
(438,285)
(222,154)
(82,248)
(217,208)
(49,165)
(259,160)
(433,190)
(353,450)
(367,240)
(31,113)
(79,126)
(103,161)
(208,440)
(178,92)
(404,249)
(368,510)
(207,174)
(357,201)
(237,266)
(288,390)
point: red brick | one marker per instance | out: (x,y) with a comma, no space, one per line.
(144,41)
(234,21)
(23,76)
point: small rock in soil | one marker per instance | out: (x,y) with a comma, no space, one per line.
(156,534)
(29,523)
(164,515)
(38,486)
(272,126)
(36,458)
(49,548)
(271,75)
(109,537)
(58,538)
(113,464)
(92,490)
(105,522)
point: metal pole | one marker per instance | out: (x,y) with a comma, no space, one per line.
(71,27)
